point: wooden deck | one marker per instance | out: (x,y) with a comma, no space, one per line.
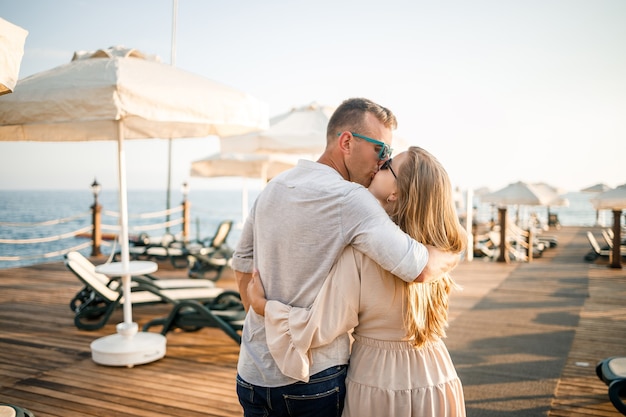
(46,365)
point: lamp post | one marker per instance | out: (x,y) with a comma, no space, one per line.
(96,214)
(186,211)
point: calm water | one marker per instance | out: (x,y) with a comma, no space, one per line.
(208,209)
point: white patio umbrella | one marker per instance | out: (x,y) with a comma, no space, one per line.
(261,166)
(12,38)
(614,200)
(522,194)
(299,131)
(595,189)
(118,94)
(258,166)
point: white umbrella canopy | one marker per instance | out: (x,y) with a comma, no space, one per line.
(262,166)
(557,198)
(596,188)
(259,166)
(12,38)
(524,194)
(299,131)
(614,200)
(90,97)
(118,94)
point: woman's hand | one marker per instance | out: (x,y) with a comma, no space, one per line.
(256,294)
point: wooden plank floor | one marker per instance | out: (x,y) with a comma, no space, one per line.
(601,333)
(46,365)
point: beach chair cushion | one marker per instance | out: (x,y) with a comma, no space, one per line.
(147,279)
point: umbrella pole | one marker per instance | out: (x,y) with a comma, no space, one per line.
(616,258)
(469,223)
(128,347)
(123,199)
(244,201)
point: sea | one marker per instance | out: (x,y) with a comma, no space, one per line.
(27,215)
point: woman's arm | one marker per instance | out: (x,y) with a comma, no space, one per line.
(256,294)
(439,263)
(292,331)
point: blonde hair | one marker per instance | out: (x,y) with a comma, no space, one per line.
(425,210)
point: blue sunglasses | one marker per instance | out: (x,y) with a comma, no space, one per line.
(385,150)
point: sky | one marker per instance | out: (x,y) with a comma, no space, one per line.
(499,90)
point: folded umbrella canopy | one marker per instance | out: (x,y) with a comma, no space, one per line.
(118,94)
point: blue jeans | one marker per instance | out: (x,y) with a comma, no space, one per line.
(322,396)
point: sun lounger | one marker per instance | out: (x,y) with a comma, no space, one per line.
(167,248)
(225,312)
(205,258)
(94,304)
(599,251)
(211,259)
(147,279)
(612,371)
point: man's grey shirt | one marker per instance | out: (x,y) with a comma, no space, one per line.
(296,230)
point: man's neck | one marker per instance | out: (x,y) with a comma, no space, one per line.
(338,166)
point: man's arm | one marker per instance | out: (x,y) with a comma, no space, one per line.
(243,279)
(439,262)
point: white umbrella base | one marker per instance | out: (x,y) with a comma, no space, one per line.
(119,350)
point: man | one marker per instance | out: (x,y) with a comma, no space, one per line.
(297,228)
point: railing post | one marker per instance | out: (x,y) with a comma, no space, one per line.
(616,253)
(96,213)
(529,250)
(96,218)
(186,219)
(503,257)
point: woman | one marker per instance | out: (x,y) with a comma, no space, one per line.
(399,365)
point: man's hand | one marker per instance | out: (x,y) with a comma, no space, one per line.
(439,262)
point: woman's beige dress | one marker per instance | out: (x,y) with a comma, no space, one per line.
(387,376)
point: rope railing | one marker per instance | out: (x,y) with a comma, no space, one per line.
(46,255)
(143,228)
(47,239)
(150,215)
(47,222)
(93,230)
